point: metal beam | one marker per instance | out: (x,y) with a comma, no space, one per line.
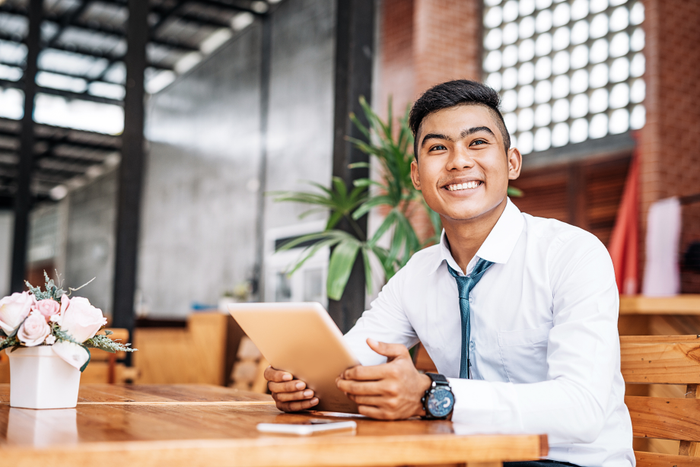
(130,169)
(61,92)
(353,78)
(23,196)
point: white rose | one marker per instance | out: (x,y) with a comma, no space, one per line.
(80,319)
(13,309)
(34,330)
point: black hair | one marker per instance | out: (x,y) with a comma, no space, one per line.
(452,94)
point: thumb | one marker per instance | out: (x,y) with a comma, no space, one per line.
(391,351)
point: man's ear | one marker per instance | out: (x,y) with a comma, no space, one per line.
(415,176)
(515,163)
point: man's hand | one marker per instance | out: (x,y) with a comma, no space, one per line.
(391,391)
(289,393)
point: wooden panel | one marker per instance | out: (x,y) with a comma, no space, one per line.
(196,354)
(660,362)
(686,304)
(650,459)
(656,417)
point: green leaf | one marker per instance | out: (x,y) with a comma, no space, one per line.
(515,192)
(340,267)
(82,368)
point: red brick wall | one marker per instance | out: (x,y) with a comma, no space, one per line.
(670,140)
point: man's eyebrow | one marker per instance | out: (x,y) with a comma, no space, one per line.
(476,129)
(434,136)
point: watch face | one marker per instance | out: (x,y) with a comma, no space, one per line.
(440,402)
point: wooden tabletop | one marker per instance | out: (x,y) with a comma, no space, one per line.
(200,425)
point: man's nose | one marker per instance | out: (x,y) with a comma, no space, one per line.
(460,159)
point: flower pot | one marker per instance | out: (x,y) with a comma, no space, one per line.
(40,379)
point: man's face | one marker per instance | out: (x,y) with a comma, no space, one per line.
(462,168)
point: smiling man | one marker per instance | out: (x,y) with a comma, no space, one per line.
(518,313)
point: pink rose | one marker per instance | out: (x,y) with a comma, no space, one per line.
(13,309)
(34,330)
(80,319)
(47,307)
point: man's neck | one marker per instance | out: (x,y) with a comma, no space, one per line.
(465,237)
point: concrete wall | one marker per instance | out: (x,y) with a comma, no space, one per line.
(198,219)
(198,236)
(89,245)
(6,232)
(301,96)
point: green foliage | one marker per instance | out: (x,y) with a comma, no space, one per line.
(9,342)
(102,342)
(392,150)
(52,291)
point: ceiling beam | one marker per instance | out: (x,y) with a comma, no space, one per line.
(63,93)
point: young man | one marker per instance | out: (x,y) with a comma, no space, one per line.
(518,313)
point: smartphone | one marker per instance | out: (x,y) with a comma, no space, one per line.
(308,428)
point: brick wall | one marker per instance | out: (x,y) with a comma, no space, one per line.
(670,140)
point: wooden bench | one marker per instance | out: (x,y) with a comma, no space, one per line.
(664,360)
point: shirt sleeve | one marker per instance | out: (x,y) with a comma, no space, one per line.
(385,321)
(572,404)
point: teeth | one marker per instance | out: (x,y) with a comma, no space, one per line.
(463,186)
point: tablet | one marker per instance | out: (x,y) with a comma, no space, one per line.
(300,338)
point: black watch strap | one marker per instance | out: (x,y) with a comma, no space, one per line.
(438,379)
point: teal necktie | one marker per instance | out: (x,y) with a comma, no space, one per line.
(465,284)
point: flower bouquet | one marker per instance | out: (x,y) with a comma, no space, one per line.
(51,324)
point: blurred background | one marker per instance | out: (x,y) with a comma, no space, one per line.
(138,140)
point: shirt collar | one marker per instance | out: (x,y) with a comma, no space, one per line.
(497,247)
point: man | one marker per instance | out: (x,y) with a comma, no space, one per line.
(518,312)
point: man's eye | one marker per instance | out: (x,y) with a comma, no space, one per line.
(478,141)
(438,147)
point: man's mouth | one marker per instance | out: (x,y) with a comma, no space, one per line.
(463,186)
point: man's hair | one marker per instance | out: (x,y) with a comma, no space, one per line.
(452,94)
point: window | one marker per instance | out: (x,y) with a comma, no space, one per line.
(566,70)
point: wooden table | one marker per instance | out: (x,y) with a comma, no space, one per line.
(200,425)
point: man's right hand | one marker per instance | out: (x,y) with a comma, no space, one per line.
(289,394)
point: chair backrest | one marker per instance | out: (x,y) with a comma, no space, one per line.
(664,360)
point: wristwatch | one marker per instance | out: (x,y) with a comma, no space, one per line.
(438,401)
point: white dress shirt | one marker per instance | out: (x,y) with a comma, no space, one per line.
(544,344)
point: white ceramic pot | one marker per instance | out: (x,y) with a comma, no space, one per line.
(40,379)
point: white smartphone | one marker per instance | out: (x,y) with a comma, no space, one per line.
(308,428)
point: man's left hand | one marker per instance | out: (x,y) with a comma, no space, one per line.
(391,391)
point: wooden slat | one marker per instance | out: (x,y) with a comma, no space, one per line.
(652,459)
(660,362)
(657,417)
(628,340)
(685,304)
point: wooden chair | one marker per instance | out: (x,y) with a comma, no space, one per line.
(249,368)
(664,360)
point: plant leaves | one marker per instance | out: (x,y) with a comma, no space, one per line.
(340,267)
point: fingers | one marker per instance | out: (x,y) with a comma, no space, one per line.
(293,396)
(289,386)
(278,376)
(370,373)
(297,406)
(388,350)
(371,388)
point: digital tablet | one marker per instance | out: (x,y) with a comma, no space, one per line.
(300,338)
